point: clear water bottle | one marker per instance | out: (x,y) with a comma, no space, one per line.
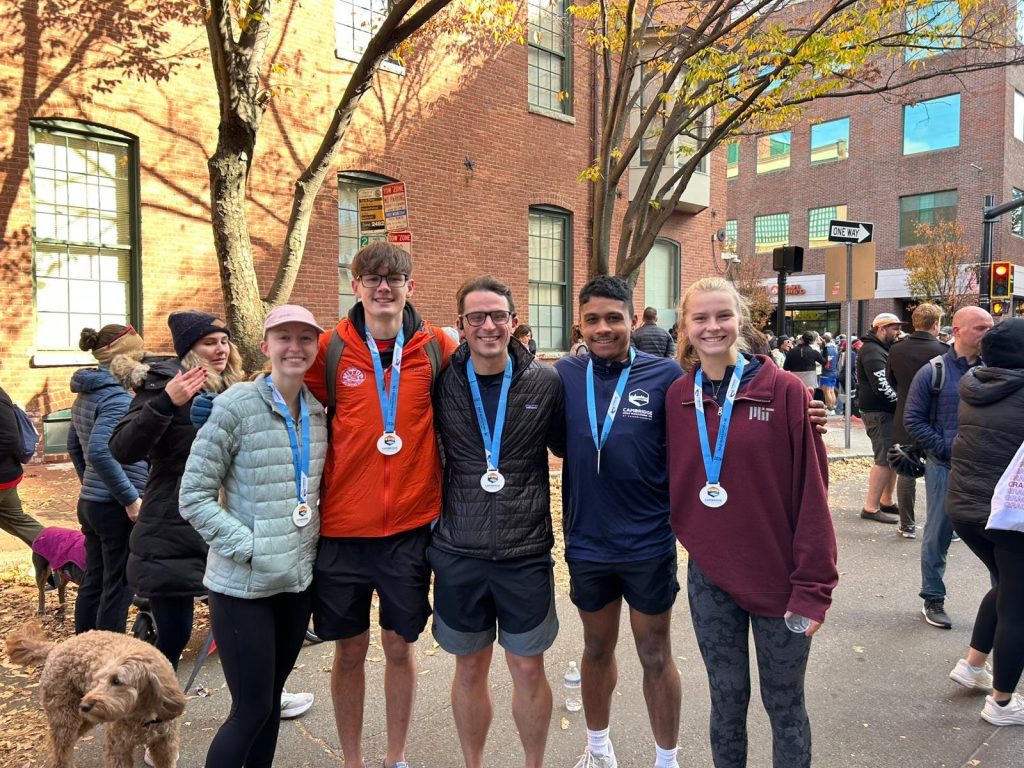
(573,695)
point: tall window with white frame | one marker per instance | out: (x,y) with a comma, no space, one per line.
(1016,219)
(661,280)
(85,237)
(550,270)
(550,55)
(352,234)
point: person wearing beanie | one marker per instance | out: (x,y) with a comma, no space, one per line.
(111,494)
(991,432)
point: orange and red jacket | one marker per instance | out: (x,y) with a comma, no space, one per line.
(364,493)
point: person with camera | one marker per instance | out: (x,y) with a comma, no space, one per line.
(933,426)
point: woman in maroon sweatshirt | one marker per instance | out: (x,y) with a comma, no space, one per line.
(762,550)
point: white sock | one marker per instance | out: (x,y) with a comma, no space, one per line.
(666,758)
(598,742)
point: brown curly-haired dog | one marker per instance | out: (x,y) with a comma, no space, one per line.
(104,677)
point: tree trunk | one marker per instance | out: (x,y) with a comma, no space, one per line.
(244,308)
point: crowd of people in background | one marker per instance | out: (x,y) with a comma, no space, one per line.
(305,492)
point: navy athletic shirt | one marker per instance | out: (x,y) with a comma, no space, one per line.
(622,514)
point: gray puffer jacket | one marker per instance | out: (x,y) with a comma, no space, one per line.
(991,430)
(255,548)
(516,521)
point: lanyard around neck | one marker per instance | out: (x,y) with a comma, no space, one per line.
(613,405)
(300,458)
(492,446)
(713,463)
(388,401)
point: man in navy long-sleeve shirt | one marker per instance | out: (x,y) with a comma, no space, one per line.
(936,436)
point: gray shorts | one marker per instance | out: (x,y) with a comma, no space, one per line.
(878,425)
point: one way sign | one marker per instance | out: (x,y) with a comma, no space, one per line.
(850,231)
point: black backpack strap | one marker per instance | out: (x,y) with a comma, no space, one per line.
(335,348)
(938,379)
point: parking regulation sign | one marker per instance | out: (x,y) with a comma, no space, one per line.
(850,231)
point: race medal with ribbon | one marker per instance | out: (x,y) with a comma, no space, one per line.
(302,513)
(713,494)
(388,443)
(492,480)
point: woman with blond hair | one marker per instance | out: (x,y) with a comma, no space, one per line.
(167,557)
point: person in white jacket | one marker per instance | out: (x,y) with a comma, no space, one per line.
(263,448)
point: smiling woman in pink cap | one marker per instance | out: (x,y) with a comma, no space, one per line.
(251,490)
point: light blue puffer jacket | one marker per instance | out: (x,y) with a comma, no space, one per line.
(255,548)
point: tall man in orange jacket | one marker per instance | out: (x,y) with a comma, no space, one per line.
(381,491)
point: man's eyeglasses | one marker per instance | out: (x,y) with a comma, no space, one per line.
(498,317)
(373,281)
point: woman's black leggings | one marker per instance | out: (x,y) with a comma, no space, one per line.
(173,617)
(723,629)
(258,641)
(999,626)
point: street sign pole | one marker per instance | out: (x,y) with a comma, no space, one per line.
(848,404)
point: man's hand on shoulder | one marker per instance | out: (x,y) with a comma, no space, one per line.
(818,416)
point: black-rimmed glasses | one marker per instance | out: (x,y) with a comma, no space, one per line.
(373,281)
(498,317)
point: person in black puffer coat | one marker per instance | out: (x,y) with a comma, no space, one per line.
(167,557)
(991,430)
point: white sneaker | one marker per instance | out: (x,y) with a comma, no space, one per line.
(589,760)
(295,704)
(1011,714)
(148,758)
(971,677)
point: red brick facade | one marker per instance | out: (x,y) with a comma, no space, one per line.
(455,102)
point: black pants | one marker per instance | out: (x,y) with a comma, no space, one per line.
(173,617)
(723,628)
(104,594)
(999,625)
(258,642)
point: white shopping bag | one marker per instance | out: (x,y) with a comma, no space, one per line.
(1008,497)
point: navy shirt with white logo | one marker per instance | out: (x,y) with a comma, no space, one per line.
(622,513)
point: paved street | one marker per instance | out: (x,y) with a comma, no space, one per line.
(877,688)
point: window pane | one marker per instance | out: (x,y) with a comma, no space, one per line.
(548,246)
(1018,115)
(548,58)
(830,141)
(1016,220)
(937,25)
(773,152)
(925,209)
(817,224)
(771,231)
(732,236)
(932,125)
(661,281)
(732,164)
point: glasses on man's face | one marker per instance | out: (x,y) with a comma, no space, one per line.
(498,317)
(373,281)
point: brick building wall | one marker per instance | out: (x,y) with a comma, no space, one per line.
(456,101)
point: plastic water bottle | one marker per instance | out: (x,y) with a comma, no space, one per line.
(797,623)
(573,696)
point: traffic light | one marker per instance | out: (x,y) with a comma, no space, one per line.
(1002,280)
(999,307)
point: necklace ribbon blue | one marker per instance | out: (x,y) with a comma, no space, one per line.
(613,405)
(388,402)
(492,446)
(300,459)
(713,464)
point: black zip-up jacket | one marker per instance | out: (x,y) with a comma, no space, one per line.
(516,521)
(167,557)
(991,429)
(874,392)
(905,359)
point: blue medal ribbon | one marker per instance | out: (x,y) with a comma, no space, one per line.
(388,402)
(713,464)
(300,459)
(613,405)
(492,446)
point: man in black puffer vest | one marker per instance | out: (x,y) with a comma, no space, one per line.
(497,411)
(906,359)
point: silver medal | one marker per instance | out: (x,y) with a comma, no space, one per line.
(492,481)
(301,515)
(389,444)
(713,495)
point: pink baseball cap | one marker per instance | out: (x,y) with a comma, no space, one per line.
(290,313)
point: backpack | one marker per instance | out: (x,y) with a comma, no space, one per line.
(335,348)
(29,436)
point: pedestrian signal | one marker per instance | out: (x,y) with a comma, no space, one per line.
(1002,279)
(999,308)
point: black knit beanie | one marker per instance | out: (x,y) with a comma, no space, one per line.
(189,326)
(1003,346)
